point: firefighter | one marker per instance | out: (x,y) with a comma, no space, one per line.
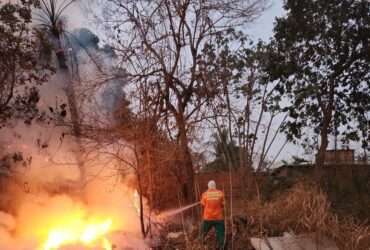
(213,204)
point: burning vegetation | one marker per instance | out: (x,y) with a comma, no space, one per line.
(72,226)
(46,221)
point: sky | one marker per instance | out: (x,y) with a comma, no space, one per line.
(259,29)
(262,27)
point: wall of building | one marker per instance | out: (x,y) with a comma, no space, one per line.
(339,156)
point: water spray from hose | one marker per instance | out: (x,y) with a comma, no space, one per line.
(174,212)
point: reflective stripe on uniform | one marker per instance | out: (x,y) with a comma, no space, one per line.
(213,195)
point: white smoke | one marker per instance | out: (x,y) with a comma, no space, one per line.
(46,189)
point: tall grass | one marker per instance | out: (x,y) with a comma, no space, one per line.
(306,209)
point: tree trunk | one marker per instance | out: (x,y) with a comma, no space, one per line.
(71,98)
(232,160)
(320,159)
(144,230)
(188,186)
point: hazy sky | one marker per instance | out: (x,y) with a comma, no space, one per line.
(259,29)
(262,27)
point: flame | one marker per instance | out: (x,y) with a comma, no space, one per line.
(89,233)
(63,222)
(136,202)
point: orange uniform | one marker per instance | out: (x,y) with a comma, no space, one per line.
(213,202)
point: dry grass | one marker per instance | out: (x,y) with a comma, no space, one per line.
(302,209)
(306,209)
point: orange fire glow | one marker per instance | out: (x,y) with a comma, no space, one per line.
(61,222)
(75,230)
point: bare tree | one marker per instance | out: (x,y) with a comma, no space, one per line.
(160,41)
(135,142)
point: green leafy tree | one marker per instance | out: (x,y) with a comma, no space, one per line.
(20,70)
(320,57)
